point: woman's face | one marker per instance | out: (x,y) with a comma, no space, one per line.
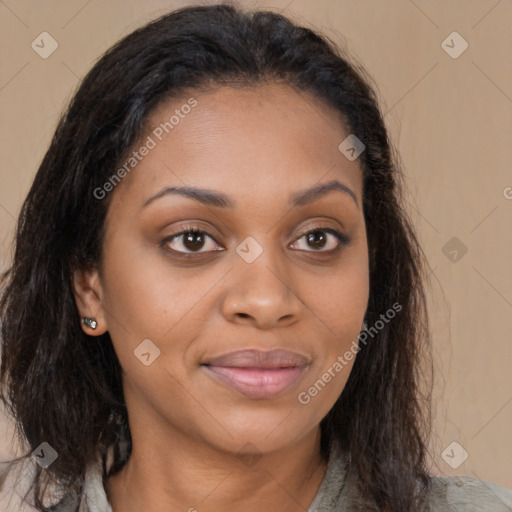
(180,307)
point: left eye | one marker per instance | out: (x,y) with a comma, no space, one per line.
(319,239)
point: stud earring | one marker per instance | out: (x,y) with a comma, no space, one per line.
(90,322)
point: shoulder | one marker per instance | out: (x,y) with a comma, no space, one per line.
(468,494)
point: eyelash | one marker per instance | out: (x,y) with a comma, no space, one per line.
(341,238)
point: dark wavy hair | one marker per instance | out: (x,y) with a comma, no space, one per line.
(64,390)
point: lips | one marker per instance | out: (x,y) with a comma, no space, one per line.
(277,358)
(256,373)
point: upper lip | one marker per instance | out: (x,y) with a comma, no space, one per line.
(253,358)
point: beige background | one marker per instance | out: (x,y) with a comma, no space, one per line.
(451,119)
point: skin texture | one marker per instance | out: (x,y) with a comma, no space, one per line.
(258,145)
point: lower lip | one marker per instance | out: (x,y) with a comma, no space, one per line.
(257,382)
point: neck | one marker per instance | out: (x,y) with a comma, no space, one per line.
(192,477)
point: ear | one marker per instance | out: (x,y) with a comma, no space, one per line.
(88,294)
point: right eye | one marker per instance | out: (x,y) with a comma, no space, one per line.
(192,239)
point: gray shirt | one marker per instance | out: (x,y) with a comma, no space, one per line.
(448,494)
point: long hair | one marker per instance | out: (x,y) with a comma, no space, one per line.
(66,391)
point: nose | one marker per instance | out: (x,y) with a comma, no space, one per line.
(260,295)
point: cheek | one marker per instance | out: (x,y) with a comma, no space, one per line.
(147,300)
(146,294)
(340,304)
(318,396)
(340,297)
(353,284)
(335,357)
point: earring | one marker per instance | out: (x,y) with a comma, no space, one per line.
(364,326)
(90,322)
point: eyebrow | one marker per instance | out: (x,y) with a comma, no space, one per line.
(221,200)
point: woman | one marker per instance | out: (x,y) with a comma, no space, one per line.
(216,300)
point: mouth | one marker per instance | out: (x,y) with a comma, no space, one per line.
(258,374)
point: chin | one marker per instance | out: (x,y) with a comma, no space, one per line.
(266,434)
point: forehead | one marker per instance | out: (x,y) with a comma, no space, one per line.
(242,140)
